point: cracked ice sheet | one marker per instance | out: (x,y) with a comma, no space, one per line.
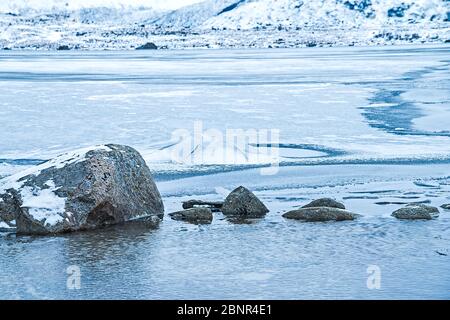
(52,103)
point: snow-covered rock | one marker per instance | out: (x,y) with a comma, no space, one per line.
(84,189)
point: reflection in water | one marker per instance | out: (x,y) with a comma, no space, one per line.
(273,258)
(42,261)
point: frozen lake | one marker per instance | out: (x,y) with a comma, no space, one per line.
(367,126)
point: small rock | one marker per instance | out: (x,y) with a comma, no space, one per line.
(241,220)
(193,215)
(242,202)
(213,205)
(317,214)
(416,211)
(63,48)
(325,202)
(446,206)
(147,46)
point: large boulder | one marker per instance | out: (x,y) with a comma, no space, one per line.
(242,202)
(320,214)
(416,211)
(193,215)
(325,202)
(85,189)
(446,206)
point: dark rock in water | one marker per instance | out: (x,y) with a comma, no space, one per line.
(63,48)
(416,211)
(213,205)
(193,215)
(317,214)
(6,48)
(325,202)
(446,206)
(147,46)
(242,202)
(85,189)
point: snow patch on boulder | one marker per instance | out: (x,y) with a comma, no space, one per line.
(43,204)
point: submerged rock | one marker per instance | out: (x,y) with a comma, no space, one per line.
(193,215)
(316,214)
(213,205)
(242,202)
(446,206)
(325,202)
(147,46)
(416,211)
(85,189)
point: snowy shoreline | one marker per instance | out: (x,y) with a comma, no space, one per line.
(229,40)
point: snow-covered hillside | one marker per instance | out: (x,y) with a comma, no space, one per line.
(254,14)
(16,6)
(116,24)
